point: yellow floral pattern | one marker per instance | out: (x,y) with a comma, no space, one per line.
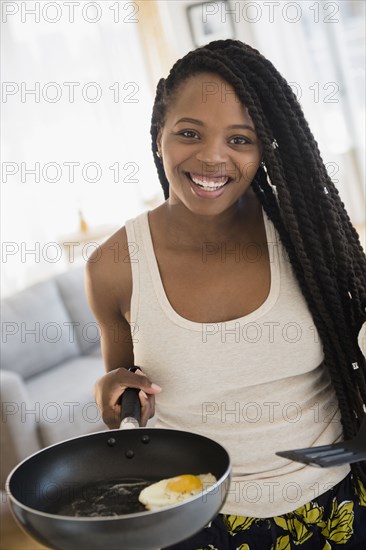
(339,526)
(361,493)
(235,524)
(296,523)
(325,522)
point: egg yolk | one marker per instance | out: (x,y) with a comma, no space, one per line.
(185,484)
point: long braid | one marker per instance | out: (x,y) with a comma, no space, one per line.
(304,205)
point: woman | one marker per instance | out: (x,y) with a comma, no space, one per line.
(241,298)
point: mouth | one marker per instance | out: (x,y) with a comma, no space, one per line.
(208,183)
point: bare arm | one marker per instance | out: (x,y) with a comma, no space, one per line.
(108,288)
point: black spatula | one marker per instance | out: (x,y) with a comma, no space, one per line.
(325,456)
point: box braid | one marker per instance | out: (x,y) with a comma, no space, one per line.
(304,205)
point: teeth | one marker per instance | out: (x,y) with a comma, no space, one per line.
(207,184)
(209,188)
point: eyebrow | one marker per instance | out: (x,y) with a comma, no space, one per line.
(200,123)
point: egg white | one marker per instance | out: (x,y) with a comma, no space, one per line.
(158,495)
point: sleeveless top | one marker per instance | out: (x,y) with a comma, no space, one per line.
(255,384)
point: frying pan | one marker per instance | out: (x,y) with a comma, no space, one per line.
(46,484)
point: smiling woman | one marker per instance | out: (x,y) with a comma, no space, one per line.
(219,156)
(239,167)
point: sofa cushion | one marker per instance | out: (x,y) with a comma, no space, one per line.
(36,330)
(63,400)
(72,288)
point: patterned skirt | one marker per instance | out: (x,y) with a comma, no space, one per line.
(334,520)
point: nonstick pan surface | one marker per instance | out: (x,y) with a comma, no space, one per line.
(44,483)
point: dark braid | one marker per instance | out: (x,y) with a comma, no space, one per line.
(304,205)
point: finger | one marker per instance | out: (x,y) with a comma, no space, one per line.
(140,381)
(107,394)
(112,417)
(147,408)
(111,387)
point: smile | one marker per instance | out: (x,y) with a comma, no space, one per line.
(208,183)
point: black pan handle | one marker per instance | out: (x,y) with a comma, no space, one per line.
(130,407)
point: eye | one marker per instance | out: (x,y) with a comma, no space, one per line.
(185,133)
(240,140)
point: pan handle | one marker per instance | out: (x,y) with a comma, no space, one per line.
(130,407)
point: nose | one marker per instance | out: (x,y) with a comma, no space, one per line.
(211,152)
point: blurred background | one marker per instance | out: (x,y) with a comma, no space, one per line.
(78,83)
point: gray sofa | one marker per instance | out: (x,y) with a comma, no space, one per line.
(50,359)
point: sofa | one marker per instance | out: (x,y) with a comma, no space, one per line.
(50,360)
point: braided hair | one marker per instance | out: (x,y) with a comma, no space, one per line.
(299,197)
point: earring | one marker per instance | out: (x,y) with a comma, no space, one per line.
(263,164)
(158,154)
(274,144)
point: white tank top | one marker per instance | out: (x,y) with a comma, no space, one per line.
(255,384)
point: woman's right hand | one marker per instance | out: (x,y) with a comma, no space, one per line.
(109,388)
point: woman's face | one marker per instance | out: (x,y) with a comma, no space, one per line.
(209,146)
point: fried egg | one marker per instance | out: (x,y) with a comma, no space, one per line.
(175,490)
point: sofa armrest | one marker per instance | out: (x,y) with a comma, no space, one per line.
(18,435)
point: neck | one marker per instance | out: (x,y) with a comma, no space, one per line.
(189,230)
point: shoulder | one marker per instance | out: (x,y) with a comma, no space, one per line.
(109,270)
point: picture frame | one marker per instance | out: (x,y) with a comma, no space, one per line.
(210,21)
